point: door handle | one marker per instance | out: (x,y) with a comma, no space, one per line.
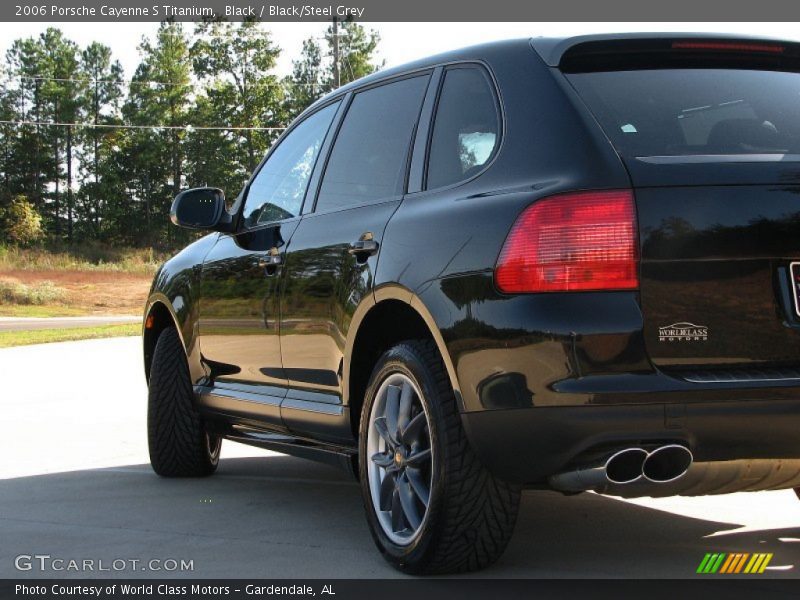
(365,246)
(368,247)
(270,261)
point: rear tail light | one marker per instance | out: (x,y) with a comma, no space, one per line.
(572,242)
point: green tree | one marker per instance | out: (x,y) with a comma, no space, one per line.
(211,154)
(29,170)
(9,162)
(308,81)
(61,92)
(314,73)
(101,98)
(47,91)
(235,62)
(159,95)
(21,223)
(357,48)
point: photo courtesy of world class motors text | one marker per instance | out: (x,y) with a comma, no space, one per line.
(167,589)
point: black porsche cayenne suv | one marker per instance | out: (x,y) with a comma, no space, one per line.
(566,264)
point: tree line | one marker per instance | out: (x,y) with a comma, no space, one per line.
(86,154)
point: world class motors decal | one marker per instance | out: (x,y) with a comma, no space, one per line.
(683,332)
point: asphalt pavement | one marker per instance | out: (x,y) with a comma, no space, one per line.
(26,323)
(76,486)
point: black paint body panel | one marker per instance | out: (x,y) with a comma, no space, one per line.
(714,256)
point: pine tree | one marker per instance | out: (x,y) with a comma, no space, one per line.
(101,98)
(357,48)
(313,73)
(235,62)
(159,95)
(29,171)
(308,81)
(61,91)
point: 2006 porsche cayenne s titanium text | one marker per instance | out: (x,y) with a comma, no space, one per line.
(567,264)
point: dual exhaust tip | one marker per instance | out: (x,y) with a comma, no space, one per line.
(630,465)
(662,465)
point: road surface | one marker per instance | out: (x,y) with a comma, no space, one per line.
(76,485)
(28,323)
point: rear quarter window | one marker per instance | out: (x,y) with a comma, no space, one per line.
(466,127)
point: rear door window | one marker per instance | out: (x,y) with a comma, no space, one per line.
(466,127)
(368,160)
(674,112)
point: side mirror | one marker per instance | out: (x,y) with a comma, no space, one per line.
(200,208)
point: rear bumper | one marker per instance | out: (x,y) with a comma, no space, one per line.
(530,444)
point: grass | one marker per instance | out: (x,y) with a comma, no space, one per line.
(44,292)
(48,310)
(45,336)
(86,257)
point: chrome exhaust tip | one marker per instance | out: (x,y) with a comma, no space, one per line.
(667,463)
(626,466)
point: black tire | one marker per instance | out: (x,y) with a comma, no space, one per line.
(179,444)
(470,515)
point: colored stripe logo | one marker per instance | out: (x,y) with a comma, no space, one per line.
(736,562)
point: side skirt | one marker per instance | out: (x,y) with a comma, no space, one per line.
(255,419)
(337,456)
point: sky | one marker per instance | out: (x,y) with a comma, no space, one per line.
(400,42)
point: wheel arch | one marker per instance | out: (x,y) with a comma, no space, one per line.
(398,314)
(159,316)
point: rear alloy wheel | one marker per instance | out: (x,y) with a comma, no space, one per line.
(401,466)
(180,445)
(432,507)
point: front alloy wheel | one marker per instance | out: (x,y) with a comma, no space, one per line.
(401,466)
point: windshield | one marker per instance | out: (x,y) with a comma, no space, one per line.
(669,112)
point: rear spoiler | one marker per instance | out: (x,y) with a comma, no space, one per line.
(611,52)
